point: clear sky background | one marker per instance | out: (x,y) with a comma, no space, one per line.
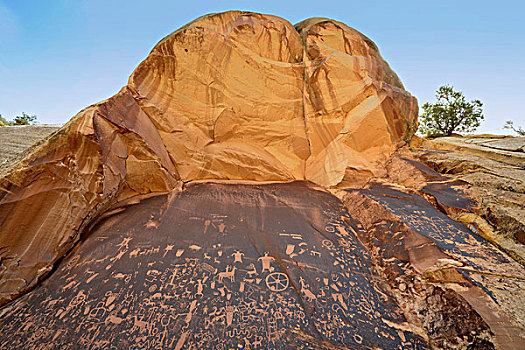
(59,56)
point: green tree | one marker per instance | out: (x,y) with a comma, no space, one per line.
(24,119)
(451,112)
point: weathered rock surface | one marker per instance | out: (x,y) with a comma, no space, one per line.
(177,270)
(16,140)
(244,191)
(228,96)
(504,150)
(495,171)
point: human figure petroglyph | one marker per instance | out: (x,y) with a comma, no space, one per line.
(199,287)
(229,314)
(266,261)
(258,342)
(229,273)
(119,255)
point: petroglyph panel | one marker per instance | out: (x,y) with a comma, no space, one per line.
(479,260)
(216,267)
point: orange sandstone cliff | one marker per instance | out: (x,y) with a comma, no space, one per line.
(236,96)
(248,171)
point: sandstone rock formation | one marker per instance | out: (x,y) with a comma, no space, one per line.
(17,142)
(495,170)
(228,96)
(244,191)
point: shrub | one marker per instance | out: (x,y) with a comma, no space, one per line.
(509,124)
(24,119)
(450,113)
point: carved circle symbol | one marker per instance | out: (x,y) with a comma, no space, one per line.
(344,243)
(329,228)
(277,281)
(327,243)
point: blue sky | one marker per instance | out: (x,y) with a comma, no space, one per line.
(59,56)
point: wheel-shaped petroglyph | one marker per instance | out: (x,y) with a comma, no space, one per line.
(277,281)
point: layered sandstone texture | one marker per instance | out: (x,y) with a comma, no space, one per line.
(494,168)
(18,141)
(229,96)
(249,188)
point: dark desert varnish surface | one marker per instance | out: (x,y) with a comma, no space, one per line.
(218,266)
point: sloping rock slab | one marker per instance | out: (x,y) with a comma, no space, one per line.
(217,266)
(513,144)
(16,140)
(499,277)
(498,150)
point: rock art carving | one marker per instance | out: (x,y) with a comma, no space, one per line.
(277,281)
(240,192)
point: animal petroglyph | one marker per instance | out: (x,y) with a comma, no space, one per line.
(304,290)
(229,273)
(238,256)
(165,294)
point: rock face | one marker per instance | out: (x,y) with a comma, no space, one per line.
(16,141)
(178,271)
(495,170)
(228,96)
(331,109)
(245,190)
